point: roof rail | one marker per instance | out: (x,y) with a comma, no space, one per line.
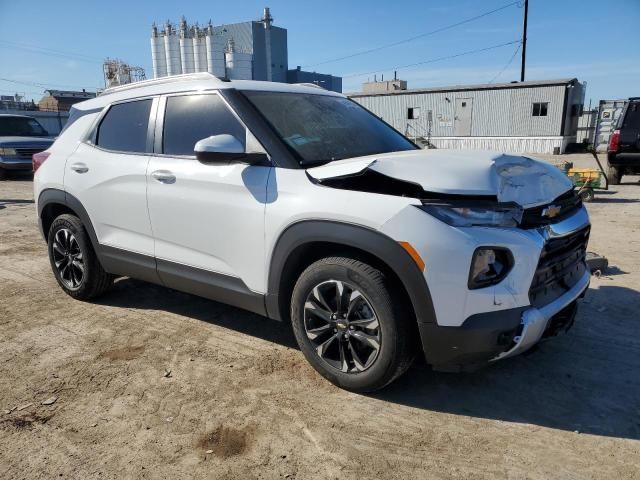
(162,81)
(307,84)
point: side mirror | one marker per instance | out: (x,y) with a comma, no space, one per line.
(226,148)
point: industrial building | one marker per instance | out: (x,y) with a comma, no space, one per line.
(326,81)
(523,117)
(253,50)
(62,100)
(116,72)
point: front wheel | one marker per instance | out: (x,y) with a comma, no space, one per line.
(348,325)
(73,261)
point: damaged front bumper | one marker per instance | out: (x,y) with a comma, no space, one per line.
(535,321)
(560,278)
(487,337)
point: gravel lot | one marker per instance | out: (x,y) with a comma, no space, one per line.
(241,402)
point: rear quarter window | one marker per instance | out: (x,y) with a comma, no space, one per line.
(124,127)
(75,115)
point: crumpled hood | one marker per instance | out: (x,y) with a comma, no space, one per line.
(510,178)
(15,141)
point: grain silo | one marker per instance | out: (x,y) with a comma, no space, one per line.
(172,51)
(199,50)
(215,52)
(186,48)
(157,54)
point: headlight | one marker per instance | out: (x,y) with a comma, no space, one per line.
(489,266)
(460,216)
(9,152)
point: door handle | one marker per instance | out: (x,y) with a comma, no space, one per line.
(164,176)
(79,168)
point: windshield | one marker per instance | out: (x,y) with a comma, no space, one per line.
(323,128)
(21,127)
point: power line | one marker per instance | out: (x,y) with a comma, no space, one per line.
(433,60)
(48,51)
(422,35)
(21,91)
(507,64)
(41,85)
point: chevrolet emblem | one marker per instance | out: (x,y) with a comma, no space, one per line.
(551,211)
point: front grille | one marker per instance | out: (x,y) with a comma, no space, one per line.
(567,204)
(28,152)
(561,265)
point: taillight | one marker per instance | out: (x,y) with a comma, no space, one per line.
(614,141)
(38,159)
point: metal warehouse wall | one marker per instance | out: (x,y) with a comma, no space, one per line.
(498,112)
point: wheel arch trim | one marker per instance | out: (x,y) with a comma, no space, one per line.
(377,244)
(52,196)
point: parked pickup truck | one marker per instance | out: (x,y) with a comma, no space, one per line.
(624,144)
(20,137)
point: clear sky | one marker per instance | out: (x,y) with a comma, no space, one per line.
(62,44)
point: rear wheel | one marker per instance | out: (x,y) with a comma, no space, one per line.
(614,175)
(3,174)
(348,325)
(73,261)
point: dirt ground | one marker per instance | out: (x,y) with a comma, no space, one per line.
(151,383)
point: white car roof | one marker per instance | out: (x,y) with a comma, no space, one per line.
(192,82)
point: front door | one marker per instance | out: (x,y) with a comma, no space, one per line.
(462,123)
(207,218)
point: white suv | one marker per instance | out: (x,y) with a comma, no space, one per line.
(298,204)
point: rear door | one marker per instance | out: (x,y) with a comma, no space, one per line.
(207,218)
(108,175)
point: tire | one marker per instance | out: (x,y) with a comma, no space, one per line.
(3,174)
(366,295)
(587,194)
(69,246)
(614,175)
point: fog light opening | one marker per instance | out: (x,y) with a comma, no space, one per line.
(489,266)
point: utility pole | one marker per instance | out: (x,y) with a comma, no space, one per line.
(524,40)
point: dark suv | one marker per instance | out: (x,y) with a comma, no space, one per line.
(624,144)
(20,137)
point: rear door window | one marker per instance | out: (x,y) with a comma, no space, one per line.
(190,118)
(124,127)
